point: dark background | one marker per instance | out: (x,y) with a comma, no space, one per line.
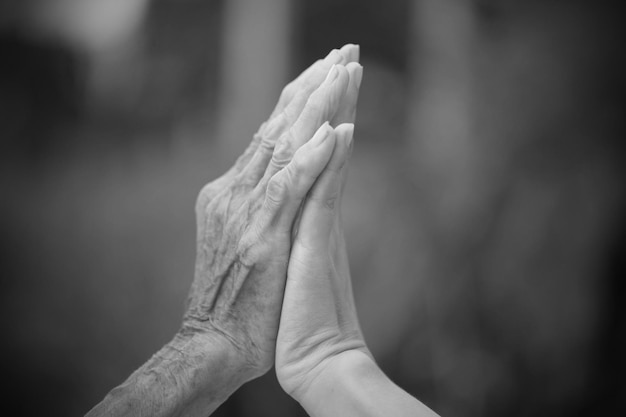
(484,209)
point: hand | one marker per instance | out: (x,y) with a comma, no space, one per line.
(322,360)
(318,321)
(245,218)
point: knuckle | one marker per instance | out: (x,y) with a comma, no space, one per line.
(282,154)
(294,170)
(245,247)
(277,190)
(205,196)
(300,164)
(254,247)
(267,145)
(276,127)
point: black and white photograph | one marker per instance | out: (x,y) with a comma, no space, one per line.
(291,208)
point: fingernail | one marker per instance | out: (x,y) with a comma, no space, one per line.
(358,76)
(322,134)
(332,74)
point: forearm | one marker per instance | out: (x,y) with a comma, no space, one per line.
(191,376)
(353,385)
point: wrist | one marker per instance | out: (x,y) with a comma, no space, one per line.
(210,357)
(210,370)
(334,374)
(352,384)
(191,375)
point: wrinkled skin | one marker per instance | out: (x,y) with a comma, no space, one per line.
(245,218)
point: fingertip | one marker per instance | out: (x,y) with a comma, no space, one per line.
(345,133)
(317,152)
(342,71)
(342,80)
(357,48)
(324,134)
(332,98)
(336,74)
(346,109)
(334,57)
(350,52)
(343,142)
(355,70)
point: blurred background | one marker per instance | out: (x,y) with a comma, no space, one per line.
(484,209)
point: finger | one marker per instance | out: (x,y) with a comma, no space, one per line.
(289,107)
(347,108)
(290,104)
(293,110)
(288,187)
(256,163)
(277,127)
(322,204)
(292,100)
(350,52)
(308,80)
(347,112)
(313,76)
(322,104)
(320,107)
(270,134)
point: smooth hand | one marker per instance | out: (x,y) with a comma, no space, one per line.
(319,321)
(322,360)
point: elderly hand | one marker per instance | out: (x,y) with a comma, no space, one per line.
(245,218)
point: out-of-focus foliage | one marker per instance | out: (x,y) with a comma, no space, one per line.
(483,211)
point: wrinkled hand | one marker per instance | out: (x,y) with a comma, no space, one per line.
(318,320)
(245,217)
